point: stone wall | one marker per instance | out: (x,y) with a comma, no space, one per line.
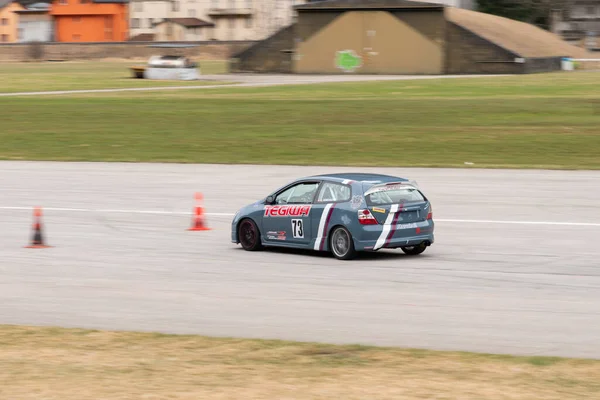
(118,50)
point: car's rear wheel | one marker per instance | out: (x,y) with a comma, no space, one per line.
(414,250)
(341,244)
(249,235)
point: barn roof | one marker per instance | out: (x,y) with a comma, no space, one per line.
(367,5)
(520,38)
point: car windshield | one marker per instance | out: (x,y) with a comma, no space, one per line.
(393,195)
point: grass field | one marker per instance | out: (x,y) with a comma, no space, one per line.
(531,121)
(72,75)
(53,364)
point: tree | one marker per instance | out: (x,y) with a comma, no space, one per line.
(535,12)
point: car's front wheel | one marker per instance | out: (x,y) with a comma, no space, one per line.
(341,244)
(249,235)
(414,250)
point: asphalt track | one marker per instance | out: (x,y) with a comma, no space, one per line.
(253,80)
(515,268)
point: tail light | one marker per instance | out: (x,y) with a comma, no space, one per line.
(366,218)
(430,213)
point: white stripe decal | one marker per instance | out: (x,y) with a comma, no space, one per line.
(321,230)
(387,226)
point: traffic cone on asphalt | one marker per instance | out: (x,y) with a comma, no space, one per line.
(198,223)
(37,241)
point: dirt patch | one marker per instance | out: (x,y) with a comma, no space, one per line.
(53,363)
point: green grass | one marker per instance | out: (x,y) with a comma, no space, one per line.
(56,363)
(72,75)
(532,121)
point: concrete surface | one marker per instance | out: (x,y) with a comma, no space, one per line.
(255,80)
(515,268)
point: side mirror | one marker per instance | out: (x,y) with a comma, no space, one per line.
(270,200)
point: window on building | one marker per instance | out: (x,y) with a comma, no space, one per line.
(84,1)
(150,22)
(248,23)
(135,23)
(4,21)
(249,4)
(232,4)
(175,6)
(76,36)
(5,38)
(214,3)
(232,23)
(590,10)
(76,19)
(63,2)
(191,12)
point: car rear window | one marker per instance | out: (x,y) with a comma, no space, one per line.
(396,194)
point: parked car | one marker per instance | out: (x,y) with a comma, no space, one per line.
(339,213)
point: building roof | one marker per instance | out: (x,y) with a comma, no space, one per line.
(509,34)
(142,37)
(188,22)
(367,5)
(35,8)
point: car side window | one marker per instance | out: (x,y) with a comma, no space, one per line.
(332,192)
(302,193)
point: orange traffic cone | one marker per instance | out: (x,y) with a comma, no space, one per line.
(37,241)
(198,223)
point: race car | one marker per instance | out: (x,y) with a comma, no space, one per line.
(340,213)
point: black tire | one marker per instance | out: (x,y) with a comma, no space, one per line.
(249,235)
(414,250)
(341,244)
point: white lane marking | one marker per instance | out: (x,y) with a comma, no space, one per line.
(158,212)
(387,226)
(488,221)
(317,245)
(116,211)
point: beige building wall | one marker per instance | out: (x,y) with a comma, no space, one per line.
(234,19)
(169,31)
(378,43)
(9,22)
(143,13)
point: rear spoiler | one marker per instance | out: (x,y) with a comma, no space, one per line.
(383,186)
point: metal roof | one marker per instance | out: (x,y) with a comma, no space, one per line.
(172,45)
(367,5)
(361,177)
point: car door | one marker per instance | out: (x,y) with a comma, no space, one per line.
(327,201)
(288,219)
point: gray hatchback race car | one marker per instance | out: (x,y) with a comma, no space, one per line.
(340,213)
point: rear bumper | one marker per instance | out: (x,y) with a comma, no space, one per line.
(369,245)
(375,237)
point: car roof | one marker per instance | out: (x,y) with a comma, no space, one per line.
(359,177)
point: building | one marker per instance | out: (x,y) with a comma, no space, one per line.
(9,21)
(468,4)
(35,23)
(232,19)
(403,37)
(90,20)
(183,29)
(579,23)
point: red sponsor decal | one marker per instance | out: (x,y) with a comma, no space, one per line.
(287,211)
